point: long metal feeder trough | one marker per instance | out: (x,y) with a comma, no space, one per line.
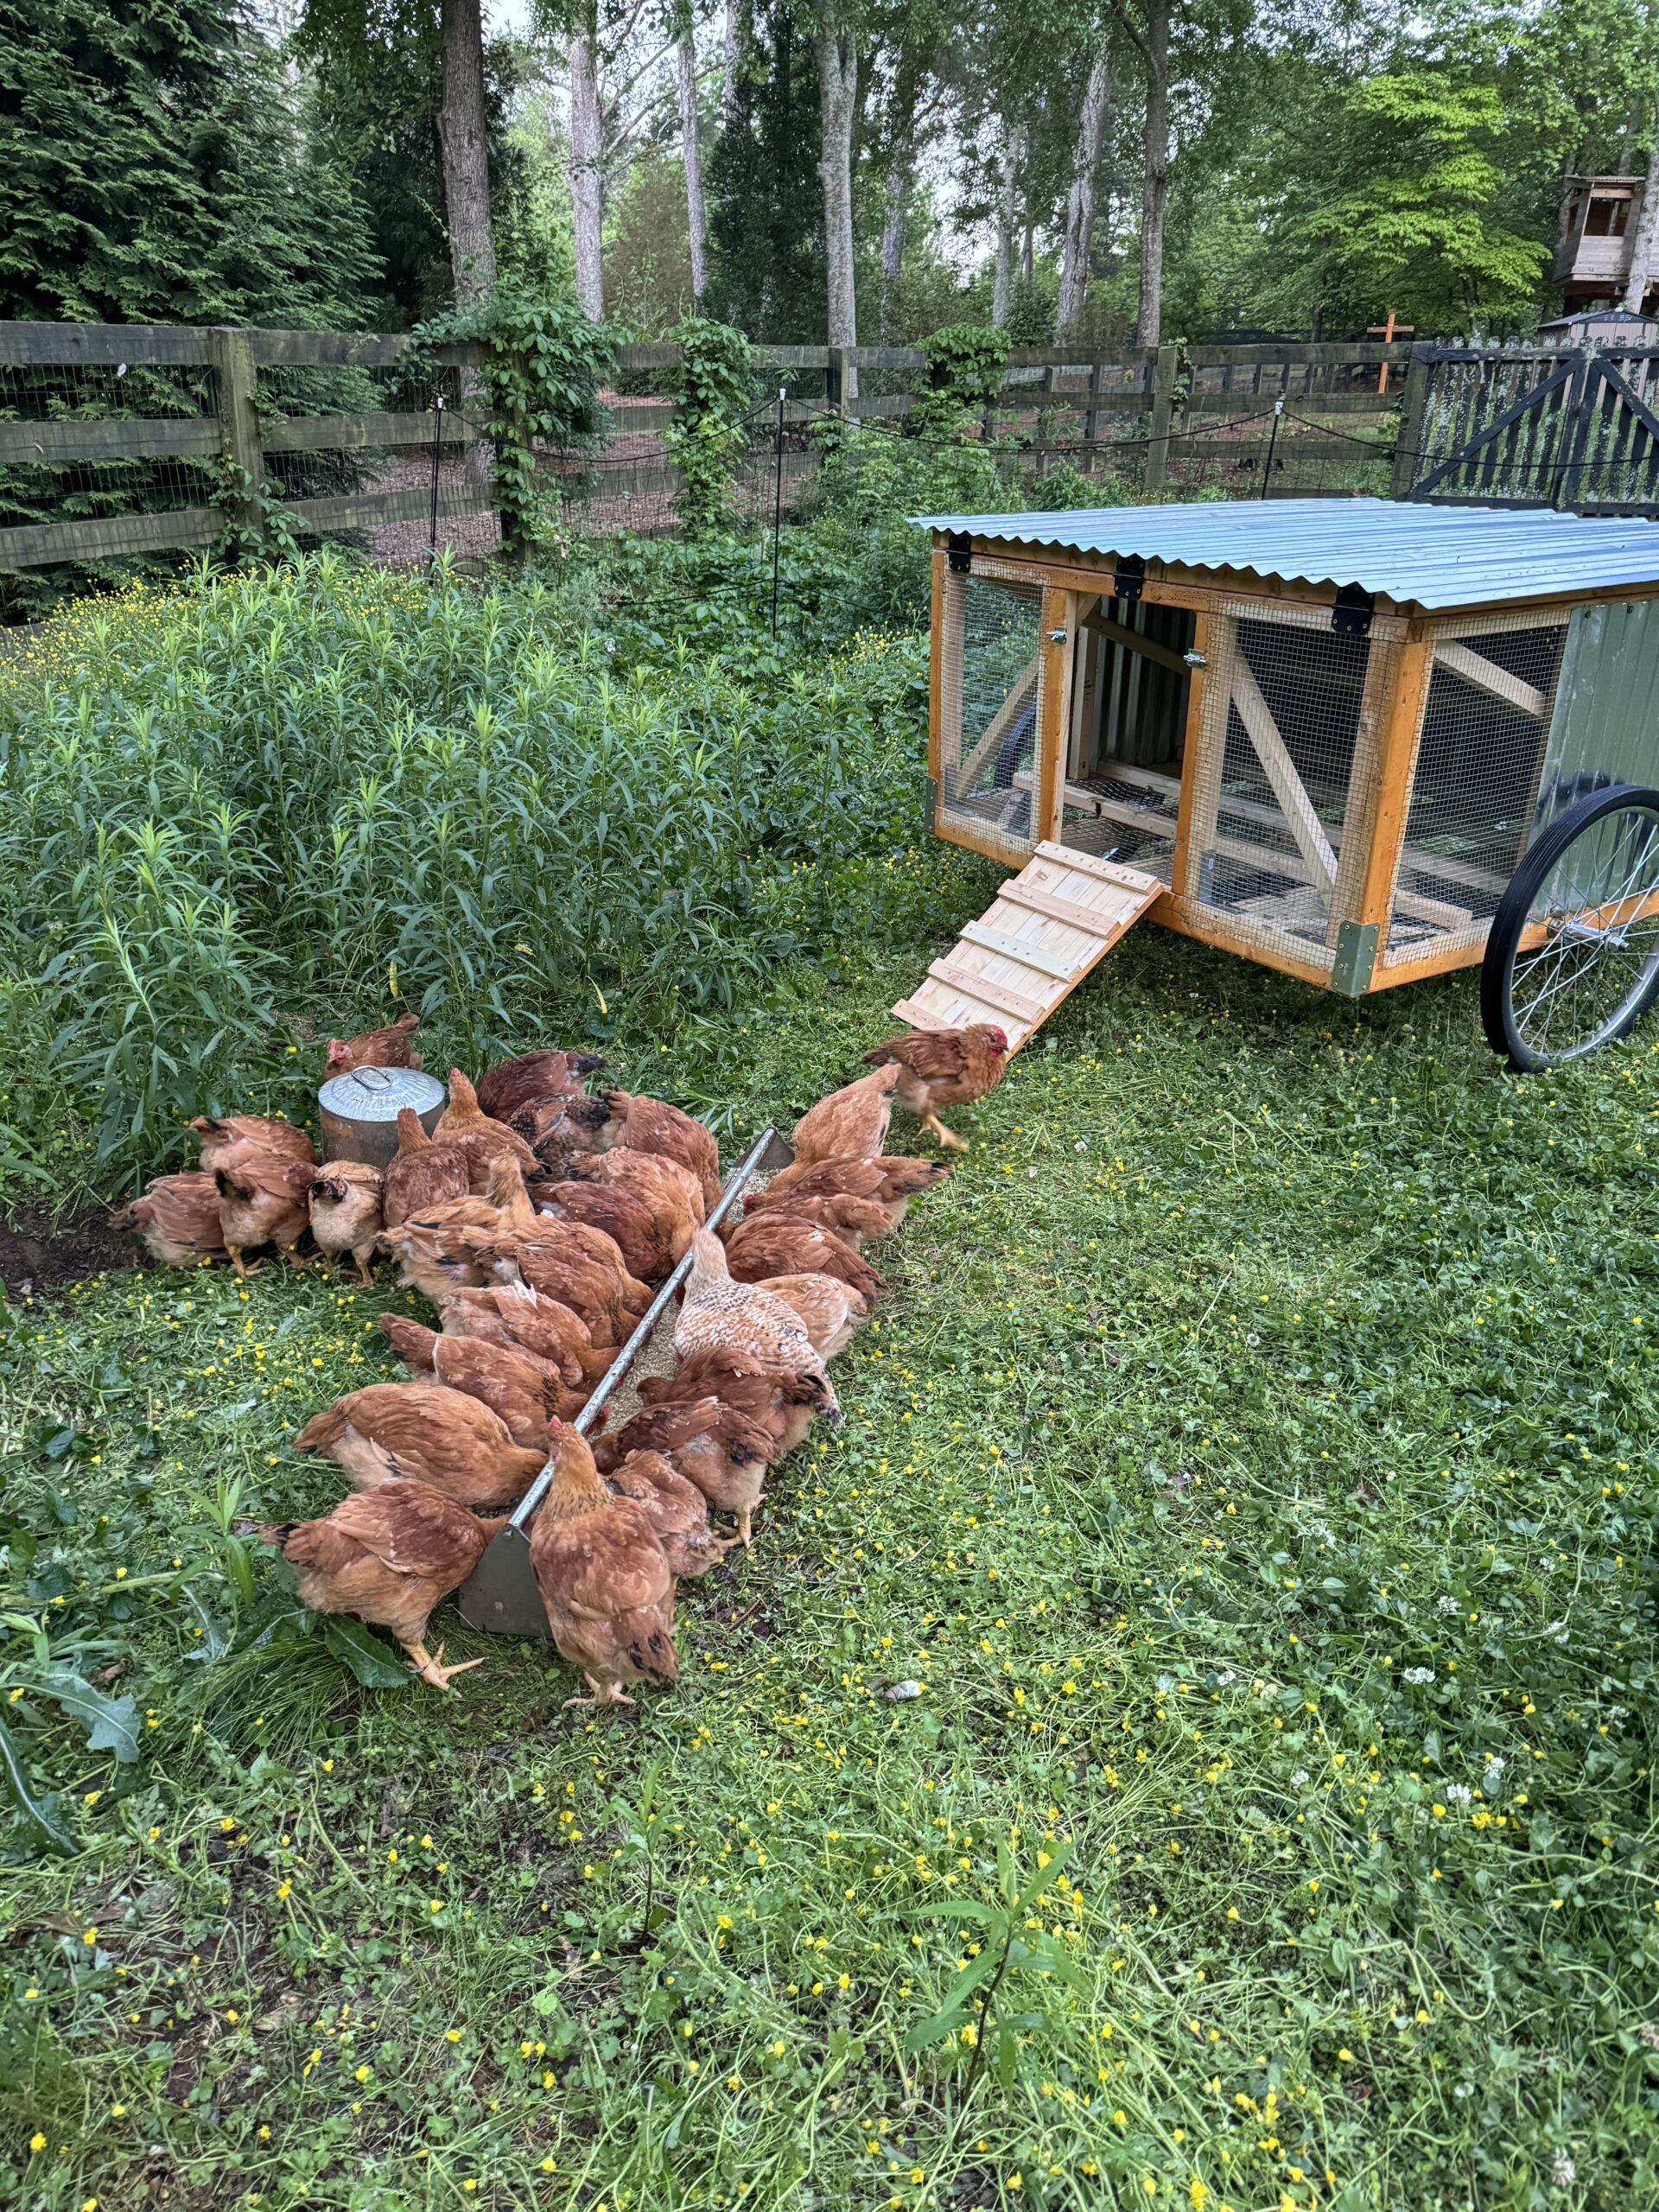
(501,1594)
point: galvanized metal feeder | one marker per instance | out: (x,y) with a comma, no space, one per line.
(359,1111)
(501,1594)
(1361,742)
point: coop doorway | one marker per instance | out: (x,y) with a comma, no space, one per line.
(1130,679)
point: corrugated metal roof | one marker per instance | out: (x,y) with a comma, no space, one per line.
(1438,556)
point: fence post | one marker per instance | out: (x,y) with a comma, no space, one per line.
(1407,451)
(1091,416)
(838,379)
(235,387)
(1166,375)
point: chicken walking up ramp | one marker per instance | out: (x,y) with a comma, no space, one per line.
(1045,930)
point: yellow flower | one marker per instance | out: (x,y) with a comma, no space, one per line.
(37,2142)
(452,2035)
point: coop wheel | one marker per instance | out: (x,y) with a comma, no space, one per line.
(1573,957)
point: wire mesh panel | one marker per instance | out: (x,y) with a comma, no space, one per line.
(1477,785)
(992,710)
(1129,719)
(1282,708)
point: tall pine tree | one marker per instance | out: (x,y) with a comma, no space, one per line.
(767,226)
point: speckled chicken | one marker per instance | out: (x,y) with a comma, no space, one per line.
(423,1433)
(389,1558)
(344,1206)
(178,1219)
(391,1047)
(718,1310)
(525,1391)
(853,1120)
(676,1509)
(604,1579)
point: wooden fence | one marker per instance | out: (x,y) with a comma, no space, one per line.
(239,417)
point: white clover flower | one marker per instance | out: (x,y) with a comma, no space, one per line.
(1418,1675)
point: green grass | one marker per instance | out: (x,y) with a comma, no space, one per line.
(1251,1463)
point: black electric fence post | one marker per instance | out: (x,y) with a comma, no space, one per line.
(437,450)
(1273,440)
(776,507)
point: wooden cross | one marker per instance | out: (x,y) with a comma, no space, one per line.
(1386,332)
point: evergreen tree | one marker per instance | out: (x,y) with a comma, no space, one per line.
(767,225)
(160,168)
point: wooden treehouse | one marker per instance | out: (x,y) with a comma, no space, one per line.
(1337,738)
(1601,221)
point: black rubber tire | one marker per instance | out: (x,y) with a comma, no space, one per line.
(1538,863)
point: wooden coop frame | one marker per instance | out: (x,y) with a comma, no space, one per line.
(1319,735)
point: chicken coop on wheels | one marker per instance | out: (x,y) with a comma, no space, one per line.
(1360,742)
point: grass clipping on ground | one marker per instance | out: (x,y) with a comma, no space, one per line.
(1248,1470)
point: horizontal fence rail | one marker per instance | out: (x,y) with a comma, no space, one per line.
(119,441)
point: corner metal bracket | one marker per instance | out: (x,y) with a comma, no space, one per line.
(1129,577)
(1350,612)
(1355,959)
(959,551)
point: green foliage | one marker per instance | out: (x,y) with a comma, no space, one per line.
(1248,1465)
(708,434)
(1414,217)
(962,381)
(765,220)
(648,248)
(298,789)
(542,361)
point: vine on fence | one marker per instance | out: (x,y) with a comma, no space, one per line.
(964,378)
(543,362)
(717,390)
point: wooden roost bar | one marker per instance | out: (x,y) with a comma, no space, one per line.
(1321,734)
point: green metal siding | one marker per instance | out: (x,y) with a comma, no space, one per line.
(1605,726)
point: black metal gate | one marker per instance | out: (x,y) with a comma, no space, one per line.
(1534,426)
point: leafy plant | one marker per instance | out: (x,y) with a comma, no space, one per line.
(716,390)
(962,382)
(542,361)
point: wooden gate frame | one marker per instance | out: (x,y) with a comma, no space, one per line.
(1579,382)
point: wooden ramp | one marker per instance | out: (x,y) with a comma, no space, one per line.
(1045,932)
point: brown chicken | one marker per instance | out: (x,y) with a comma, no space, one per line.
(672,1192)
(571,1277)
(943,1067)
(604,1579)
(345,1202)
(779,1244)
(423,1174)
(853,1120)
(225,1141)
(615,1118)
(624,1217)
(855,1221)
(676,1509)
(523,1390)
(263,1198)
(579,1239)
(777,1400)
(546,1127)
(830,1309)
(521,1319)
(481,1138)
(722,1452)
(718,1310)
(890,1180)
(177,1218)
(434,1249)
(393,1047)
(531,1078)
(423,1433)
(389,1558)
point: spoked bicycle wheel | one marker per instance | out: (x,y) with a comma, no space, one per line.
(1573,957)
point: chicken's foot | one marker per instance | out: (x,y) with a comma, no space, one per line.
(241,1266)
(430,1667)
(364,1271)
(935,1127)
(745,1531)
(602,1694)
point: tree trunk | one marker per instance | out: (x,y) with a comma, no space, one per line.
(838,103)
(1644,246)
(463,140)
(692,159)
(896,207)
(587,155)
(1155,187)
(1080,200)
(740,32)
(1007,188)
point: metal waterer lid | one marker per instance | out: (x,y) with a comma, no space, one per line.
(377,1094)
